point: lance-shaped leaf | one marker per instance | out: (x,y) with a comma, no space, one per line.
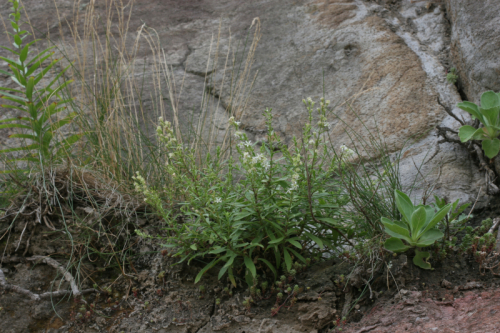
(37,64)
(24,53)
(436,218)
(40,55)
(405,206)
(29,147)
(58,124)
(418,219)
(29,87)
(15,126)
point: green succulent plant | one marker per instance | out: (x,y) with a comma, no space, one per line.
(416,229)
(488,115)
(452,76)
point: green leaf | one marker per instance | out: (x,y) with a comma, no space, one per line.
(491,132)
(396,230)
(37,64)
(315,239)
(13,90)
(491,147)
(231,259)
(429,237)
(15,99)
(489,100)
(271,267)
(29,87)
(395,245)
(472,109)
(42,74)
(193,247)
(222,272)
(420,259)
(277,240)
(204,269)
(58,124)
(218,250)
(466,133)
(249,279)
(295,243)
(11,119)
(328,220)
(5,73)
(24,53)
(418,219)
(251,266)
(404,204)
(298,255)
(18,41)
(10,50)
(240,216)
(490,115)
(231,277)
(436,218)
(14,26)
(41,54)
(15,125)
(24,136)
(29,147)
(71,140)
(288,259)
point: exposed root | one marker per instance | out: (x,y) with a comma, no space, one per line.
(496,222)
(474,150)
(67,275)
(37,297)
(50,190)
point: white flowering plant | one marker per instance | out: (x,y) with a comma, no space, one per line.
(261,211)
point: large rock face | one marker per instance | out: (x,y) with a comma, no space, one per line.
(381,63)
(475,41)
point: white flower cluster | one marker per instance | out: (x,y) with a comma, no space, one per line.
(323,124)
(296,160)
(245,144)
(233,122)
(295,185)
(257,159)
(218,200)
(140,185)
(308,102)
(347,153)
(166,134)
